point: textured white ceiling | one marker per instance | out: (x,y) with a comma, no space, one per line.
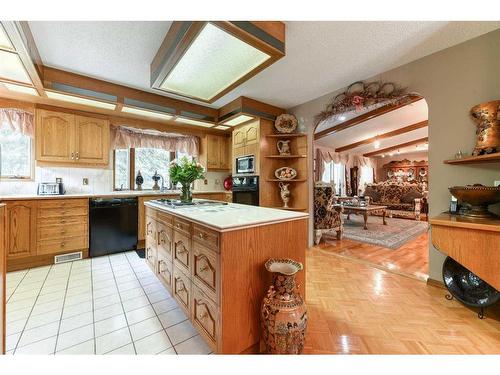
(321,56)
(390,121)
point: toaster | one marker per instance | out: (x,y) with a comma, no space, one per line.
(51,188)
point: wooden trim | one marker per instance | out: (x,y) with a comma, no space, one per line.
(182,34)
(3,278)
(436,283)
(392,148)
(489,158)
(365,117)
(406,129)
(131,170)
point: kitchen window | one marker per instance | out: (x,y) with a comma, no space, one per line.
(128,163)
(16,155)
(335,173)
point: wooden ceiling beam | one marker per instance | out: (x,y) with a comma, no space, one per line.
(406,129)
(366,116)
(392,148)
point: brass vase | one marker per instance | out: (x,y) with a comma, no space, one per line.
(487,117)
(283,312)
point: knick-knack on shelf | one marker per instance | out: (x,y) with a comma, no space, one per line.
(139,180)
(283,147)
(284,193)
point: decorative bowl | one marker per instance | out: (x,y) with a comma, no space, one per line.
(467,287)
(285,173)
(478,197)
(286,123)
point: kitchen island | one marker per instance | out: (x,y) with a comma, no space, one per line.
(211,259)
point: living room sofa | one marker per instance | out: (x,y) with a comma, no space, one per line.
(402,199)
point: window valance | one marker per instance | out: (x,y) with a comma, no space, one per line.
(18,120)
(129,137)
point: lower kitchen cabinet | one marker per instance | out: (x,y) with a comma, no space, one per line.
(37,230)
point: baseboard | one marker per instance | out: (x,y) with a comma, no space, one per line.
(436,283)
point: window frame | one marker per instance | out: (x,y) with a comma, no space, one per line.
(29,178)
(131,170)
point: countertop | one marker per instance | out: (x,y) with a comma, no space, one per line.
(231,216)
(448,220)
(125,193)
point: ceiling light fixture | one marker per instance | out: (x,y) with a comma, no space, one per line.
(376,144)
(21,89)
(194,122)
(205,60)
(12,69)
(79,100)
(146,113)
(240,119)
(5,42)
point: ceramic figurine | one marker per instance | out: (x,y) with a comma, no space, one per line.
(283,312)
(156,177)
(285,194)
(283,147)
(139,180)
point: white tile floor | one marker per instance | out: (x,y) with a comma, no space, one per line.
(106,305)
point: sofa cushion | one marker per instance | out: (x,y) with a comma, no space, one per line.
(392,194)
(373,193)
(410,196)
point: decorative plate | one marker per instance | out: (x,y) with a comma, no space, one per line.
(285,173)
(286,123)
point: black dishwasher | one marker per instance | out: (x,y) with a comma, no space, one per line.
(113,225)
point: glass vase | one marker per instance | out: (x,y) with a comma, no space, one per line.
(186,194)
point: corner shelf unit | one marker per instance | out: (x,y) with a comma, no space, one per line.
(271,160)
(489,158)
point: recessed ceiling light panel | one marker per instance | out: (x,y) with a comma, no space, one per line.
(194,122)
(12,69)
(21,89)
(5,42)
(222,127)
(214,61)
(146,113)
(80,100)
(238,120)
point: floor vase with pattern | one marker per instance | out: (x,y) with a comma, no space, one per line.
(283,312)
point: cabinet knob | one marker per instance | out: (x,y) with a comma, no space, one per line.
(77,155)
(72,156)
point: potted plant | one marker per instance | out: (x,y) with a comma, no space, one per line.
(186,172)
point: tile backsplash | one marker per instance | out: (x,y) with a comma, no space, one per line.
(100,180)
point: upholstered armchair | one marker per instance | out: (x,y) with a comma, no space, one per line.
(326,216)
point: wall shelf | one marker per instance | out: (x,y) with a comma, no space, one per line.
(285,135)
(490,158)
(285,156)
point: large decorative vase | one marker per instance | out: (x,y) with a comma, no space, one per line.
(186,194)
(487,117)
(283,312)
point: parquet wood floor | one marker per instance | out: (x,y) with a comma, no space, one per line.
(411,259)
(355,308)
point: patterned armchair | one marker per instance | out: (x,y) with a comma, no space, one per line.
(326,217)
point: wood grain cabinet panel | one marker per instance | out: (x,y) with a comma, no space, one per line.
(151,244)
(213,151)
(181,290)
(92,140)
(206,237)
(225,153)
(66,244)
(182,252)
(165,269)
(205,270)
(62,212)
(205,317)
(182,226)
(21,228)
(164,236)
(54,136)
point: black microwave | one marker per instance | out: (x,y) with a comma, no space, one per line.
(245,164)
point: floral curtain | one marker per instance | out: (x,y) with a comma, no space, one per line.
(18,120)
(128,137)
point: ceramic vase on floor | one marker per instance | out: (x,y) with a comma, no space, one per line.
(283,312)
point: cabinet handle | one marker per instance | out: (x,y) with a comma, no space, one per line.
(77,155)
(201,235)
(72,156)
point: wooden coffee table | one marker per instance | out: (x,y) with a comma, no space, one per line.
(365,211)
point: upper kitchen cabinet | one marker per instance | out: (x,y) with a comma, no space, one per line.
(67,138)
(215,152)
(246,135)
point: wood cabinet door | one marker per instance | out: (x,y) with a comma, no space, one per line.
(213,154)
(224,153)
(251,133)
(239,137)
(55,136)
(151,244)
(92,140)
(21,229)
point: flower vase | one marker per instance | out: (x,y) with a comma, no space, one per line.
(283,312)
(186,194)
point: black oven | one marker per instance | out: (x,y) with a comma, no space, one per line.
(246,190)
(245,164)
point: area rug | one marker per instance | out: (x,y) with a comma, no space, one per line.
(396,233)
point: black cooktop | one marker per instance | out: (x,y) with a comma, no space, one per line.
(176,203)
